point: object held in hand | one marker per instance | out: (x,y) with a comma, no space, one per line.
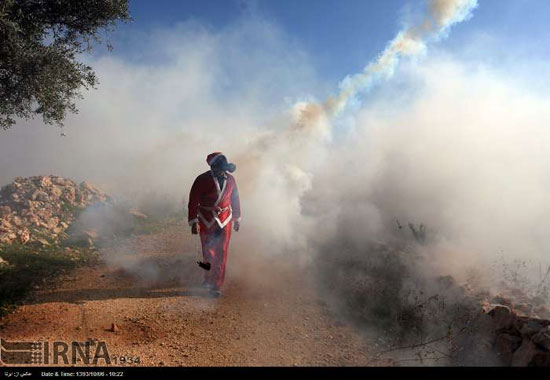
(195,229)
(203,265)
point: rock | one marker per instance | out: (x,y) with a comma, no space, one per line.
(542,338)
(56,191)
(40,195)
(24,236)
(531,327)
(52,222)
(503,318)
(5,210)
(41,208)
(91,234)
(4,263)
(5,225)
(69,195)
(528,355)
(137,214)
(506,345)
(59,181)
(17,221)
(114,328)
(43,181)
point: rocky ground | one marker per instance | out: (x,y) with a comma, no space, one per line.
(41,208)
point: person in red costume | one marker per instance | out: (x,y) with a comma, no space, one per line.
(214,209)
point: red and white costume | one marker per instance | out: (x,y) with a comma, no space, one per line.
(214,208)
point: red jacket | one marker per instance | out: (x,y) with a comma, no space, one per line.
(209,204)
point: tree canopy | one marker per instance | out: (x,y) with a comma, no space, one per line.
(40,41)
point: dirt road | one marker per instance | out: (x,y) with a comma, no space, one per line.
(148,287)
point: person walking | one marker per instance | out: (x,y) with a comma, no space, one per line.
(214,210)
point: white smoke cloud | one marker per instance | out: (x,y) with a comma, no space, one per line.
(411,41)
(464,153)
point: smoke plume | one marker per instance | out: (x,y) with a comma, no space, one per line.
(455,145)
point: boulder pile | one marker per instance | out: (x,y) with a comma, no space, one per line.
(521,337)
(41,208)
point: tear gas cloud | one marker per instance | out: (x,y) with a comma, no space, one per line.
(457,146)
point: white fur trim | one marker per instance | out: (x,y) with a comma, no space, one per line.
(227,220)
(215,219)
(193,221)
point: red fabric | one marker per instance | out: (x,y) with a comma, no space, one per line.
(215,225)
(205,194)
(215,244)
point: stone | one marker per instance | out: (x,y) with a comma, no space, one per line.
(531,327)
(4,263)
(4,239)
(45,204)
(40,196)
(56,191)
(58,181)
(542,338)
(91,234)
(503,318)
(17,221)
(137,214)
(43,181)
(528,355)
(506,345)
(5,210)
(24,236)
(52,222)
(114,328)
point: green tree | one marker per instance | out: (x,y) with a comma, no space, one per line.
(40,41)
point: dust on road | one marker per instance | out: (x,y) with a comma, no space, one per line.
(270,314)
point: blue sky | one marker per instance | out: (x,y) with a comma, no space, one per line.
(341,36)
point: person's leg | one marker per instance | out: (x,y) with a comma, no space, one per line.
(208,254)
(221,251)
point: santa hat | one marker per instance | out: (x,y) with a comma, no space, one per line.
(212,157)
